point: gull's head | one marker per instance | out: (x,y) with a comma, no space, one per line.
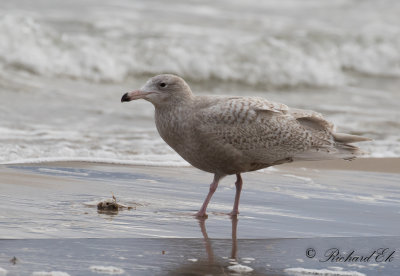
(160,90)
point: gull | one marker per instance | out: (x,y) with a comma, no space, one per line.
(227,135)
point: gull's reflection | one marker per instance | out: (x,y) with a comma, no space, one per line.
(213,264)
(210,253)
(234,237)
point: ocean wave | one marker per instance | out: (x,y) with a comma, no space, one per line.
(38,144)
(161,161)
(114,53)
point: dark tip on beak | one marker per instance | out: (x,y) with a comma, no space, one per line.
(125,98)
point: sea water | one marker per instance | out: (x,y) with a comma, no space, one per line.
(64,66)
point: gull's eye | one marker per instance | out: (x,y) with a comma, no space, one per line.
(163,84)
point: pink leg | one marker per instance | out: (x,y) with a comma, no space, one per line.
(213,188)
(239,184)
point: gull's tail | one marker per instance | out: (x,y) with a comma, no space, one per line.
(348,138)
(345,149)
(340,149)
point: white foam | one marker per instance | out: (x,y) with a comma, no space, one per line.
(3,271)
(336,268)
(298,271)
(240,268)
(50,273)
(248,259)
(67,145)
(305,179)
(193,260)
(356,265)
(280,60)
(106,269)
(100,160)
(268,170)
(283,213)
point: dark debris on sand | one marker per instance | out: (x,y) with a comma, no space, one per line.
(14,260)
(112,206)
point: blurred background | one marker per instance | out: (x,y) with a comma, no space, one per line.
(64,66)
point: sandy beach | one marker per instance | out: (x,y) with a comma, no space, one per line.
(292,206)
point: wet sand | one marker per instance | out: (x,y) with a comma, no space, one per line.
(50,208)
(389,165)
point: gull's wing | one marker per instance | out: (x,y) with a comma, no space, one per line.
(265,132)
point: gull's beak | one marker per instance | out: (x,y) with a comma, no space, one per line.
(134,95)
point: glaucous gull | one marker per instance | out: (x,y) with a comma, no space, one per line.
(232,135)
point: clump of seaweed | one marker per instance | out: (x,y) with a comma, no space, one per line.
(111,206)
(14,260)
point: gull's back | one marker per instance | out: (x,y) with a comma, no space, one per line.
(238,134)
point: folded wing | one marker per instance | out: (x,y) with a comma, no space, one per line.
(265,132)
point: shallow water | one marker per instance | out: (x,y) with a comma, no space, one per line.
(65,65)
(194,256)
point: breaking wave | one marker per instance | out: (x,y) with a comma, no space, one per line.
(113,52)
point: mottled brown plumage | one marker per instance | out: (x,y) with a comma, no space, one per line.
(231,135)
